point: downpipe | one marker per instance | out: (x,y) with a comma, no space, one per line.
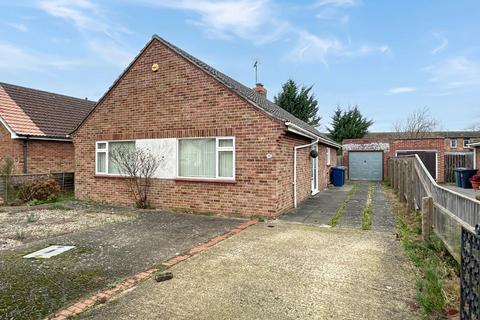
(295,168)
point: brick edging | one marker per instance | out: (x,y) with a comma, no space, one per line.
(103,296)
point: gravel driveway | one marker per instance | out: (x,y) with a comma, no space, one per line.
(288,271)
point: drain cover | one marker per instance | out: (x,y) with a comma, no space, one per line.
(49,252)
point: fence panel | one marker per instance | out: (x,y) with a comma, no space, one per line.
(66,180)
(456,160)
(451,211)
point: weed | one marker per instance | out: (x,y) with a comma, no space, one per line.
(437,280)
(258,218)
(31,217)
(20,234)
(343,206)
(367,211)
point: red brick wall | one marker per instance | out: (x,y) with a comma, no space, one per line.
(459,147)
(50,156)
(43,156)
(437,144)
(11,148)
(179,100)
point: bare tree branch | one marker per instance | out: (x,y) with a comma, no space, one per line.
(418,124)
(139,165)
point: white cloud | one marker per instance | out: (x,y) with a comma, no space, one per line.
(311,47)
(15,58)
(101,36)
(84,14)
(338,3)
(224,18)
(18,26)
(441,46)
(398,90)
(455,73)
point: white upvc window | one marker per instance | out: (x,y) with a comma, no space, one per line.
(328,156)
(206,158)
(104,164)
(466,141)
(453,143)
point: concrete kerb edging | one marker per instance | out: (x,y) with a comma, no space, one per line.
(103,296)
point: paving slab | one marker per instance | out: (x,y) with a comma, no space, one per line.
(382,216)
(320,208)
(288,271)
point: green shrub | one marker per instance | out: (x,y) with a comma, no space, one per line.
(40,189)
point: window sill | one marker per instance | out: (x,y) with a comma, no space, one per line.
(206,180)
(115,176)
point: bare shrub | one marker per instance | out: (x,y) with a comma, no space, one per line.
(138,165)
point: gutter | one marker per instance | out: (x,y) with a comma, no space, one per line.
(295,169)
(296,129)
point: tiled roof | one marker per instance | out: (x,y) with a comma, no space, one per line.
(433,134)
(30,112)
(247,93)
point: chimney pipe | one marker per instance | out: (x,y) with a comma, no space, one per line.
(260,89)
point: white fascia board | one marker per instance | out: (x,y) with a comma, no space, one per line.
(12,133)
(296,129)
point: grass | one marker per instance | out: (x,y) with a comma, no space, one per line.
(338,214)
(367,211)
(62,196)
(437,278)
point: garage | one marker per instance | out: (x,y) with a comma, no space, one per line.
(428,157)
(365,165)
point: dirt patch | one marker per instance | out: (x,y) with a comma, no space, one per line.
(19,226)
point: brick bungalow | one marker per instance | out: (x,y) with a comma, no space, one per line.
(225,148)
(35,128)
(367,158)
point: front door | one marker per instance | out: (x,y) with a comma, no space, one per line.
(314,171)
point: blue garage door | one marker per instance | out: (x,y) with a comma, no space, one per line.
(365,165)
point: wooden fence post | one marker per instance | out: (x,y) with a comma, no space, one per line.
(402,181)
(427,216)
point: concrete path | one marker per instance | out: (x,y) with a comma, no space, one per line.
(322,207)
(278,271)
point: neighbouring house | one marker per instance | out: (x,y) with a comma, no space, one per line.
(455,141)
(35,128)
(224,148)
(475,145)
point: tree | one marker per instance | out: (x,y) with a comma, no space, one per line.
(419,124)
(299,102)
(348,124)
(139,165)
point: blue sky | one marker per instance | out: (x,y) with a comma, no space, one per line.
(389,57)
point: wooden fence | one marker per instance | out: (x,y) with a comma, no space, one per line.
(64,179)
(456,160)
(444,211)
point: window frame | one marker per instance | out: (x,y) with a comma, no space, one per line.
(453,143)
(466,142)
(218,149)
(329,155)
(107,148)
